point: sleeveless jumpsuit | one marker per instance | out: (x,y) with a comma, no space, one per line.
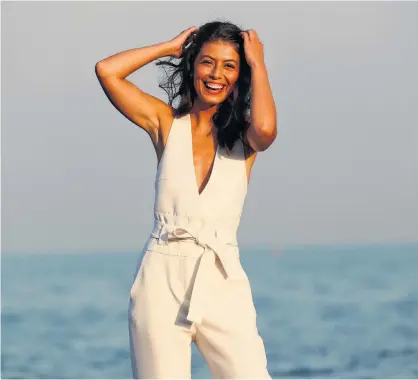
(189,285)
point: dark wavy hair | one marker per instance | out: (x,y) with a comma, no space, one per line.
(231,117)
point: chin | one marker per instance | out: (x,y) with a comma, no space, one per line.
(211,101)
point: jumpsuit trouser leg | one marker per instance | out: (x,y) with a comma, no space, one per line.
(160,334)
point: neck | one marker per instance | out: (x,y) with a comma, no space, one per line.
(202,115)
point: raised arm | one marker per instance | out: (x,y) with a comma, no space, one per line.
(141,108)
(263,121)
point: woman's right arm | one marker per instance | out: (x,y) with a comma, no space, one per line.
(139,107)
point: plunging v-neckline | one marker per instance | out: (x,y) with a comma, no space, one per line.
(211,170)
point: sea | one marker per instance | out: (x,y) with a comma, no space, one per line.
(322,311)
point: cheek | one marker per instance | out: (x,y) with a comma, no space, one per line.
(233,78)
(197,81)
(202,73)
(196,78)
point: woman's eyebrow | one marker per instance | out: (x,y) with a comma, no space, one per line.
(207,55)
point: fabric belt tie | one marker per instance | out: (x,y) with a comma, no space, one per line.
(225,251)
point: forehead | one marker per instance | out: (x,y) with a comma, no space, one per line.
(219,50)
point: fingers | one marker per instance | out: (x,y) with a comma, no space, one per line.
(253,35)
(189,30)
(192,29)
(191,33)
(250,35)
(187,34)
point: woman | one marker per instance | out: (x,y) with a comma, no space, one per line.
(189,284)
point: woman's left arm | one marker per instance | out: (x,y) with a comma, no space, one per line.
(263,128)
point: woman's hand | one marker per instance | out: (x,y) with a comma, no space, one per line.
(178,42)
(253,47)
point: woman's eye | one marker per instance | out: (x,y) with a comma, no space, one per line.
(227,65)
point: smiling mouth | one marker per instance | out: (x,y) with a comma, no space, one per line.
(212,88)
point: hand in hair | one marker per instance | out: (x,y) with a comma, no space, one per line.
(182,40)
(253,47)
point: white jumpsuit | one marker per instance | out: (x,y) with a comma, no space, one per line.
(189,285)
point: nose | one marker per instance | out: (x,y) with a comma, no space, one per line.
(216,72)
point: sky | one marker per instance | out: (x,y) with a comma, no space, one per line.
(78,177)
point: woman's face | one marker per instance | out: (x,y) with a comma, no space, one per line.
(216,65)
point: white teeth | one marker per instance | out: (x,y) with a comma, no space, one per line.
(214,86)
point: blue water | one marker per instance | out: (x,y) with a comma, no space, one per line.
(325,312)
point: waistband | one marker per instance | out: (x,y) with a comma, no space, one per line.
(213,230)
(227,252)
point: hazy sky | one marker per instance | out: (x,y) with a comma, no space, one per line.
(79,177)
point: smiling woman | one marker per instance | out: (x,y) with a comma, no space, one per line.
(217,61)
(214,56)
(189,285)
